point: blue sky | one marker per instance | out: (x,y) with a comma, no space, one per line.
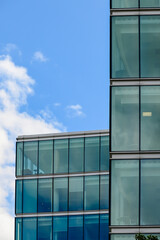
(54,76)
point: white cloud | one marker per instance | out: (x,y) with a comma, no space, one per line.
(15,86)
(38,56)
(75,111)
(57,104)
(11,47)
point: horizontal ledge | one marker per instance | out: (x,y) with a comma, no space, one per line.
(134,11)
(134,229)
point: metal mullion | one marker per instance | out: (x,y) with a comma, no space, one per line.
(23,161)
(38,159)
(139,219)
(100,153)
(53,158)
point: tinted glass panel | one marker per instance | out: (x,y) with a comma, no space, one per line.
(45,157)
(91,154)
(44,195)
(18,229)
(150,118)
(75,228)
(18,196)
(29,228)
(125,59)
(91,194)
(30,196)
(123,237)
(150,3)
(59,228)
(124,3)
(125,119)
(76,154)
(75,193)
(61,156)
(104,192)
(104,227)
(30,158)
(125,192)
(104,153)
(60,194)
(44,228)
(19,158)
(91,227)
(150,47)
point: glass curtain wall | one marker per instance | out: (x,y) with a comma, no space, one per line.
(135,3)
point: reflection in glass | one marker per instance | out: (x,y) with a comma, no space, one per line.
(125,192)
(75,193)
(150,3)
(30,196)
(104,227)
(44,228)
(45,157)
(75,230)
(19,158)
(150,118)
(18,196)
(104,192)
(125,119)
(18,229)
(30,158)
(91,227)
(125,3)
(29,228)
(76,154)
(91,194)
(61,156)
(125,59)
(44,195)
(60,194)
(60,228)
(122,236)
(104,153)
(91,154)
(150,192)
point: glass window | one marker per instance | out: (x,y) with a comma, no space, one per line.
(60,194)
(18,230)
(150,3)
(104,192)
(18,196)
(30,196)
(44,195)
(150,192)
(123,237)
(125,119)
(104,227)
(150,118)
(19,158)
(29,228)
(45,157)
(30,158)
(150,47)
(125,192)
(91,227)
(75,230)
(125,59)
(76,154)
(125,3)
(61,156)
(44,228)
(91,154)
(91,194)
(60,228)
(75,193)
(104,153)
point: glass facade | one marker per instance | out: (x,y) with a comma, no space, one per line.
(135,3)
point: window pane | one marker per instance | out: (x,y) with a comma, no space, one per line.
(91,154)
(104,227)
(18,196)
(45,157)
(30,158)
(104,153)
(125,119)
(18,232)
(123,237)
(125,3)
(91,227)
(150,47)
(125,192)
(125,59)
(44,228)
(59,228)
(150,192)
(44,195)
(30,196)
(150,3)
(19,158)
(75,193)
(91,194)
(29,228)
(150,118)
(60,194)
(61,156)
(76,154)
(75,228)
(104,192)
